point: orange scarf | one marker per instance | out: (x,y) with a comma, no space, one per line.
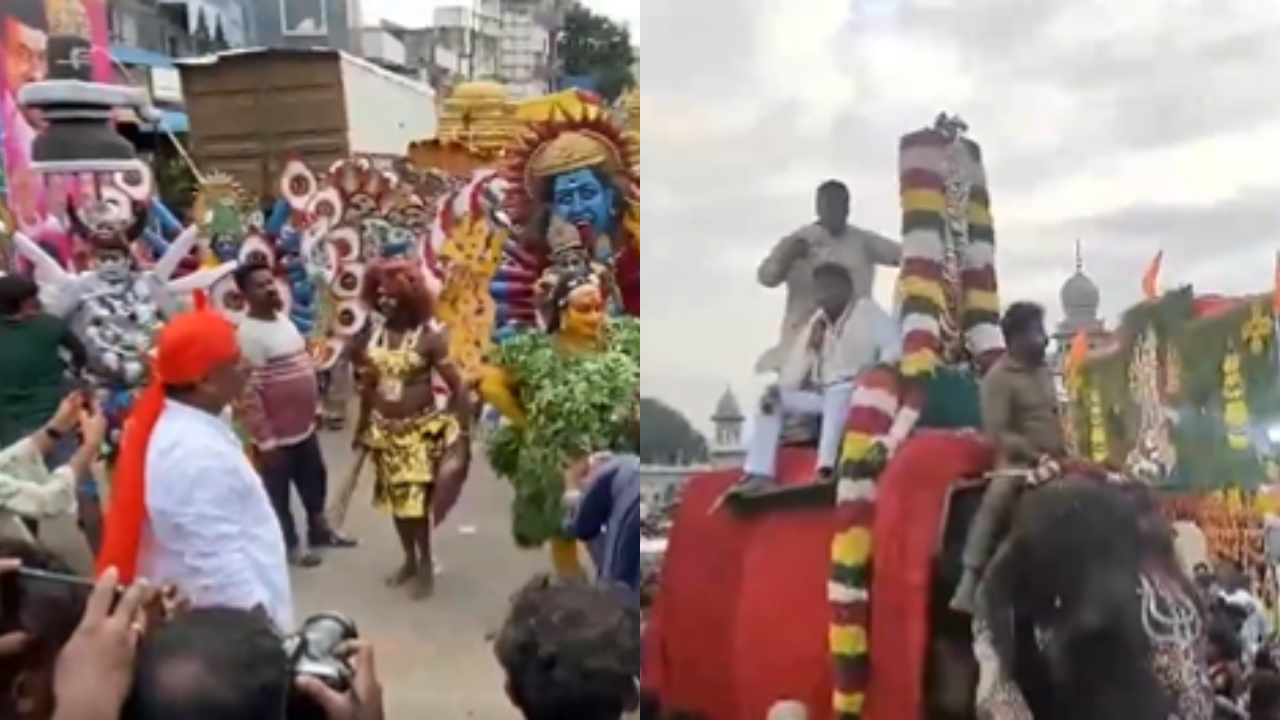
(187,349)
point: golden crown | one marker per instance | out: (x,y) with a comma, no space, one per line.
(569,151)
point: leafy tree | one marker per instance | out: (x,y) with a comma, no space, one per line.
(666,436)
(592,45)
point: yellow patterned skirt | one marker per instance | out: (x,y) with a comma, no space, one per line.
(404,453)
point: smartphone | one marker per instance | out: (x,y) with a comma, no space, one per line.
(28,585)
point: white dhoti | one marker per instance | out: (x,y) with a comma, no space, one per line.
(830,403)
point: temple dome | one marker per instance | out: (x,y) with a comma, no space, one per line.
(1080,295)
(727,408)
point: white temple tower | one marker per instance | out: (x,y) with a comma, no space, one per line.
(726,446)
(1080,300)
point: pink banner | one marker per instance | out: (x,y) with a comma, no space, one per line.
(38,203)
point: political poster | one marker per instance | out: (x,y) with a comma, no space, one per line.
(37,204)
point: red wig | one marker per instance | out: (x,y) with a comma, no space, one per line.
(402,280)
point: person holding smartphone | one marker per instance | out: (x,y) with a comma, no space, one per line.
(32,490)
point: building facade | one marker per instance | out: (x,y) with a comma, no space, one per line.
(526,49)
(303,24)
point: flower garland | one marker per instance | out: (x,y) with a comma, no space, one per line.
(575,404)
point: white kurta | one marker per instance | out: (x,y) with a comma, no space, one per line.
(210,527)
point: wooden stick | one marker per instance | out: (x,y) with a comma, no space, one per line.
(337,513)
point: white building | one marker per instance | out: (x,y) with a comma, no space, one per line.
(473,34)
(380,45)
(661,484)
(526,45)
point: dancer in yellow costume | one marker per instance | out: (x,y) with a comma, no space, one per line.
(407,439)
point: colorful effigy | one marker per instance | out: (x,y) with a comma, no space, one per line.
(542,300)
(319,237)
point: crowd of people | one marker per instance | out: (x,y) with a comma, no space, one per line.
(206,509)
(568,649)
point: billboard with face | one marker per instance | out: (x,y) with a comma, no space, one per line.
(26,29)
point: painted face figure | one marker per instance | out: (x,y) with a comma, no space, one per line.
(580,198)
(584,313)
(112,264)
(225,248)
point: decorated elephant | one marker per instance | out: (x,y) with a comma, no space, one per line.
(1087,612)
(742,617)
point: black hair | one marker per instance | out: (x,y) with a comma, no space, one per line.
(1021,318)
(1223,629)
(211,664)
(1264,695)
(571,651)
(833,188)
(244,272)
(15,292)
(31,13)
(48,613)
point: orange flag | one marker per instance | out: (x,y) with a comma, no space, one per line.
(1275,285)
(1151,278)
(1079,351)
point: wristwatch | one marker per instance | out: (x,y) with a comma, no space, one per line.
(53,433)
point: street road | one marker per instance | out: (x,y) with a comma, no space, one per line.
(434,655)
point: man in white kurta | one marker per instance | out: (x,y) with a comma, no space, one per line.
(187,507)
(844,337)
(212,531)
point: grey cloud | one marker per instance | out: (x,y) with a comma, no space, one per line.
(698,49)
(1245,224)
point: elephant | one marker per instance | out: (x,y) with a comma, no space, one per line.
(1085,612)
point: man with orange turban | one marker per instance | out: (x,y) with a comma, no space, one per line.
(188,508)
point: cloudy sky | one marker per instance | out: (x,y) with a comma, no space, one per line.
(418,12)
(1132,126)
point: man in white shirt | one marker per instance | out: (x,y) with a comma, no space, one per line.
(188,508)
(831,239)
(845,336)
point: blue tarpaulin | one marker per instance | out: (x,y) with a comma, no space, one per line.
(137,57)
(174,121)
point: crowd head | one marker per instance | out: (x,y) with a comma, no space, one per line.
(43,616)
(211,663)
(571,650)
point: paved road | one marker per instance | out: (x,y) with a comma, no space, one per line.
(434,655)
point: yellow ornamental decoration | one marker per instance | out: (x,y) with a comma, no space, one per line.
(1257,330)
(1097,428)
(1235,414)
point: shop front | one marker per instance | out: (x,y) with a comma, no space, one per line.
(160,78)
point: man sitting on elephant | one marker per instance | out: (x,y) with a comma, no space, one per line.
(845,336)
(1020,416)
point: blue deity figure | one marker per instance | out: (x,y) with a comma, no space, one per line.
(585,199)
(570,174)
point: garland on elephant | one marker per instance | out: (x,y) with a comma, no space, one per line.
(575,407)
(949,315)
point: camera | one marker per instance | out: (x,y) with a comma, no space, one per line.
(313,653)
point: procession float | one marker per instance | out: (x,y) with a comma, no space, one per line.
(835,595)
(542,300)
(1185,395)
(112,298)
